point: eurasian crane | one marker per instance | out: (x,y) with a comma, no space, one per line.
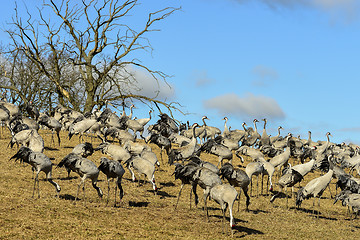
(85,168)
(40,163)
(112,169)
(237,178)
(183,153)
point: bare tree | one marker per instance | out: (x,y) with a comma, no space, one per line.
(86,48)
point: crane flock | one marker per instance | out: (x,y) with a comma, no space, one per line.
(184,145)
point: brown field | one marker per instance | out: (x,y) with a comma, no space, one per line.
(141,214)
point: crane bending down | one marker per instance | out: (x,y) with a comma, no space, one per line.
(40,163)
(85,168)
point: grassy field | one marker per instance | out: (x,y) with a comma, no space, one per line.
(143,215)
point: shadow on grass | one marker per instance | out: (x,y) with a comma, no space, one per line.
(314,213)
(257,211)
(248,231)
(67,178)
(138,204)
(67,197)
(163,194)
(237,220)
(168,184)
(68,147)
(51,149)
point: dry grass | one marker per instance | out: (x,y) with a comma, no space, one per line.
(141,214)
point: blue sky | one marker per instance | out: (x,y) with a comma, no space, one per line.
(295,62)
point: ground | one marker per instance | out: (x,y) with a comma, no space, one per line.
(143,215)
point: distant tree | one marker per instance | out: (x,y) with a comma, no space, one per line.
(83,48)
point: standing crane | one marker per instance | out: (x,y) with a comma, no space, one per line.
(314,188)
(237,178)
(40,163)
(183,153)
(112,169)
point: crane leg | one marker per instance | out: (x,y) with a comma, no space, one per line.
(177,201)
(121,190)
(287,198)
(239,199)
(331,196)
(205,205)
(223,220)
(98,189)
(81,182)
(251,186)
(313,210)
(115,195)
(107,199)
(247,199)
(36,182)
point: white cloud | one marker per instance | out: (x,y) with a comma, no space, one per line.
(148,86)
(138,81)
(249,106)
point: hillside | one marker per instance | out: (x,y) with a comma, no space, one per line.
(143,215)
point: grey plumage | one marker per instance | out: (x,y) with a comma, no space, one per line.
(314,188)
(225,195)
(254,168)
(81,127)
(150,156)
(84,149)
(116,152)
(122,135)
(237,178)
(52,124)
(252,137)
(40,163)
(352,200)
(112,169)
(185,174)
(219,150)
(230,143)
(205,164)
(85,168)
(161,141)
(288,179)
(143,167)
(29,138)
(206,179)
(183,153)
